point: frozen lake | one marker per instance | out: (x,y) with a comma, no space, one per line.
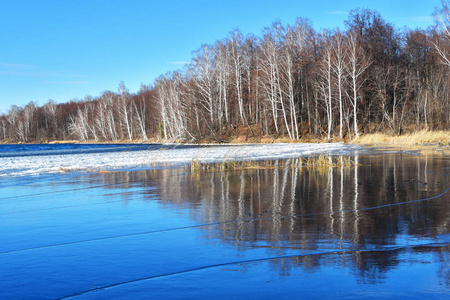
(377,229)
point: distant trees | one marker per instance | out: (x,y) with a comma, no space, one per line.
(289,82)
(110,117)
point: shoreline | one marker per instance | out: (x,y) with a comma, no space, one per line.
(169,155)
(418,138)
(160,155)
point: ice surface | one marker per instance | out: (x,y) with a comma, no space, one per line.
(42,160)
(378,228)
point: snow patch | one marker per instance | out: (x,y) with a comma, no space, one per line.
(13,166)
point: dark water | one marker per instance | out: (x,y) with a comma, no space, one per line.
(377,230)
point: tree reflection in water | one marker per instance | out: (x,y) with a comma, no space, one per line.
(299,211)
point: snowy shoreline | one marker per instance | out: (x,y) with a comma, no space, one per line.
(166,154)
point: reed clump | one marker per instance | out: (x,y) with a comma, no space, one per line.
(196,166)
(312,162)
(327,161)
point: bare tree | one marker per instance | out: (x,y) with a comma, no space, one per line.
(294,42)
(105,120)
(222,66)
(338,67)
(238,49)
(357,65)
(79,124)
(272,70)
(101,119)
(140,113)
(125,110)
(172,107)
(24,122)
(13,118)
(50,110)
(4,127)
(443,19)
(202,70)
(325,85)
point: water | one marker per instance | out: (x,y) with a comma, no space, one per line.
(379,229)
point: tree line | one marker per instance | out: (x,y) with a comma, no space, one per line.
(291,81)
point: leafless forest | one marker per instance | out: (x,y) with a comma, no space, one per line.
(292,81)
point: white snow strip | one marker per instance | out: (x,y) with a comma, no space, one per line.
(43,164)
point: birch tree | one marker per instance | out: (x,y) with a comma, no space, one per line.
(270,62)
(222,64)
(325,73)
(4,127)
(358,62)
(442,45)
(140,114)
(79,123)
(292,45)
(338,67)
(172,107)
(237,51)
(125,111)
(50,109)
(202,70)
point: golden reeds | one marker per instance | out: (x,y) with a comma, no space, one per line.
(312,162)
(422,137)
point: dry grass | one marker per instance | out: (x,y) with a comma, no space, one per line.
(267,139)
(240,139)
(285,139)
(417,138)
(63,170)
(97,170)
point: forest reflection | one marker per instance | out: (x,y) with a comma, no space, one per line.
(356,212)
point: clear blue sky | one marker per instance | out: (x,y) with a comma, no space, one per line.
(67,49)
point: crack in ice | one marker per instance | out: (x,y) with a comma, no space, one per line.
(226,222)
(256,260)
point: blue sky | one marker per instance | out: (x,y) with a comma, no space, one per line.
(67,49)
